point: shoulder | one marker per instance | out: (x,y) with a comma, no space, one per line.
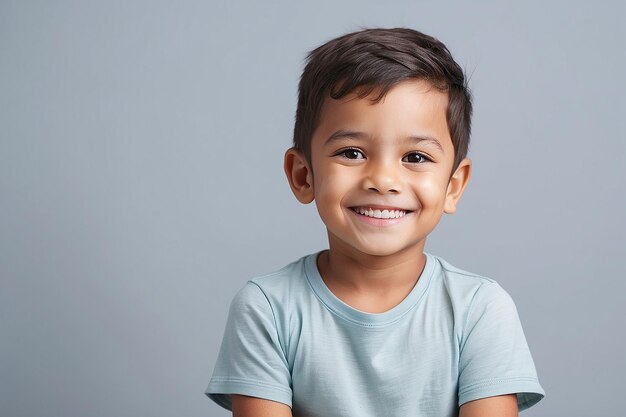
(466,289)
(276,290)
(286,281)
(460,277)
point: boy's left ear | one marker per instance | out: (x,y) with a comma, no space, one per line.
(457,185)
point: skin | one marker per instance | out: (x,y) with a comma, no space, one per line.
(396,154)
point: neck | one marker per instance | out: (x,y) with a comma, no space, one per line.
(373,282)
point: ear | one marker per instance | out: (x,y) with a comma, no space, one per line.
(299,175)
(457,185)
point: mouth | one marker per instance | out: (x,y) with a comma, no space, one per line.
(380,213)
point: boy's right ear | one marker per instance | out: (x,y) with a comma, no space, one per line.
(299,175)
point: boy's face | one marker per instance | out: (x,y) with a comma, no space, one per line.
(380,173)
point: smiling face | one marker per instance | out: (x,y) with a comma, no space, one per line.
(380,172)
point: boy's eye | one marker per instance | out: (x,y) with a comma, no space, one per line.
(351,154)
(415,158)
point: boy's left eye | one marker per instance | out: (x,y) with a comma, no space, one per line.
(415,158)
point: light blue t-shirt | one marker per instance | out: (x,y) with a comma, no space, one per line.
(455,338)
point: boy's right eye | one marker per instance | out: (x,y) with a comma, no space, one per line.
(351,153)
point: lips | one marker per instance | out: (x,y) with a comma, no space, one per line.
(378,213)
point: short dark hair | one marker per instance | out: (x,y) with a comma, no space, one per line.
(373,61)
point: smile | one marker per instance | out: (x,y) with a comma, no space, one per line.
(380,214)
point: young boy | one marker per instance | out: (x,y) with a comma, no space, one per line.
(374,326)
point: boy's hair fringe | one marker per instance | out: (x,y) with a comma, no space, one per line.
(370,62)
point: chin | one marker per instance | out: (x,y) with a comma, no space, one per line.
(382,253)
(384,250)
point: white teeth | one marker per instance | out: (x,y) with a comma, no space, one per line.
(380,214)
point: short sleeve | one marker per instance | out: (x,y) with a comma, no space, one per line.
(494,355)
(251,361)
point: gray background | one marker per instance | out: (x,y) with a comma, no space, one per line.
(141,184)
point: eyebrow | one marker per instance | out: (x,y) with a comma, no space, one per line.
(355,134)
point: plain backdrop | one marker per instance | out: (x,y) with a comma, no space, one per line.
(141,185)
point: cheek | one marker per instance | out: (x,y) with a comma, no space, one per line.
(332,185)
(430,190)
(325,197)
(331,190)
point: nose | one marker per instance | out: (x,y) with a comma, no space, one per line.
(382,177)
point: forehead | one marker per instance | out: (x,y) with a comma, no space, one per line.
(410,108)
